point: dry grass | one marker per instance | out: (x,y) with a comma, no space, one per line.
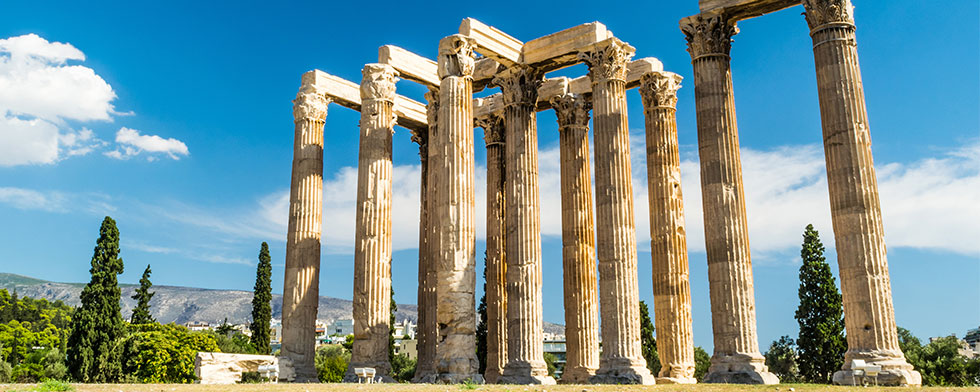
(462,388)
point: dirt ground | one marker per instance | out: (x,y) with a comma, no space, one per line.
(460,388)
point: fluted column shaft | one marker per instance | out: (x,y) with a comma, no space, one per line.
(301,276)
(736,357)
(578,241)
(621,360)
(372,235)
(427,328)
(454,209)
(525,333)
(496,268)
(869,314)
(668,238)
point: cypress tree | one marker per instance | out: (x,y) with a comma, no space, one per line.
(481,328)
(261,302)
(821,343)
(141,313)
(393,307)
(97,324)
(647,340)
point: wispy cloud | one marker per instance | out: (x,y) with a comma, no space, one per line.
(55,201)
(131,143)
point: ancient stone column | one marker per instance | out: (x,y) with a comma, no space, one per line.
(301,277)
(578,241)
(668,239)
(427,328)
(454,210)
(372,233)
(525,332)
(496,275)
(736,358)
(621,361)
(869,315)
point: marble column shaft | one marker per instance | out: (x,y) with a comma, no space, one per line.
(621,361)
(668,238)
(525,334)
(427,328)
(496,263)
(869,314)
(372,235)
(301,276)
(454,208)
(736,358)
(578,240)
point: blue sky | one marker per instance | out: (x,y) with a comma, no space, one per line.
(175,119)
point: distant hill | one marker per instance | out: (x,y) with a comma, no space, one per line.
(182,304)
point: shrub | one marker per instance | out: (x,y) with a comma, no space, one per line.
(331,363)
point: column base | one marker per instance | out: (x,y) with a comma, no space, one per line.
(420,378)
(622,371)
(289,373)
(451,378)
(677,380)
(739,369)
(491,376)
(526,373)
(895,370)
(579,375)
(382,370)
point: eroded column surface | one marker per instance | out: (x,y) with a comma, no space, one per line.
(525,332)
(668,238)
(372,233)
(736,358)
(454,208)
(426,331)
(869,315)
(578,241)
(621,361)
(301,276)
(496,275)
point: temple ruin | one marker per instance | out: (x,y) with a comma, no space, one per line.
(599,255)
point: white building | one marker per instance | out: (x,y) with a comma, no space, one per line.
(341,327)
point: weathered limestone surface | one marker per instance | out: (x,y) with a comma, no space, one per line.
(736,358)
(411,114)
(525,333)
(492,42)
(427,330)
(496,275)
(410,66)
(869,315)
(223,368)
(302,272)
(454,208)
(578,240)
(621,361)
(668,238)
(372,236)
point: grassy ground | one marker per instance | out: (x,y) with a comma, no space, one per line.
(461,388)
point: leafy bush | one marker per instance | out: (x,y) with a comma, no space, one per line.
(233,342)
(402,368)
(252,378)
(155,353)
(702,361)
(331,362)
(781,360)
(940,361)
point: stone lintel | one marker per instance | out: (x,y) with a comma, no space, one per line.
(410,66)
(484,71)
(411,114)
(737,10)
(492,43)
(559,50)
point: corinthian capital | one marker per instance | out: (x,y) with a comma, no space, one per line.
(519,85)
(378,82)
(607,60)
(493,128)
(821,12)
(659,89)
(456,56)
(708,34)
(572,110)
(310,104)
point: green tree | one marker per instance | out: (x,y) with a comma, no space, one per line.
(781,359)
(391,327)
(262,302)
(910,345)
(331,362)
(481,327)
(648,341)
(940,362)
(821,342)
(155,353)
(402,368)
(97,325)
(141,313)
(549,361)
(702,361)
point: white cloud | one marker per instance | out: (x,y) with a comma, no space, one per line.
(131,144)
(38,92)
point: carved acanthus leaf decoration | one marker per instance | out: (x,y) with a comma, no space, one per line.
(659,89)
(310,104)
(432,107)
(519,85)
(821,12)
(456,56)
(378,82)
(608,60)
(572,110)
(708,34)
(493,128)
